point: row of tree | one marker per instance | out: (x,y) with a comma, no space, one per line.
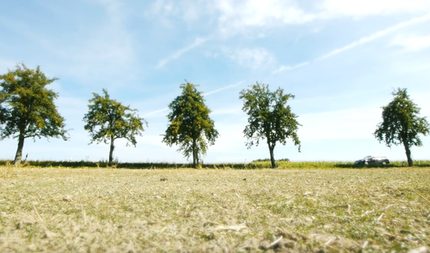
(27,110)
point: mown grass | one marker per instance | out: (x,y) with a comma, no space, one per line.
(122,210)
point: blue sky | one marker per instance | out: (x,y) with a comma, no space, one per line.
(341,58)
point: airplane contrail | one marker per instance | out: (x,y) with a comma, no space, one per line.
(359,42)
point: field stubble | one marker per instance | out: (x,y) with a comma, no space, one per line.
(98,210)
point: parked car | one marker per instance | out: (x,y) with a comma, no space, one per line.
(372,161)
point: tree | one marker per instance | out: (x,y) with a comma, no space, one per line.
(27,108)
(189,124)
(108,120)
(269,117)
(401,123)
(3,111)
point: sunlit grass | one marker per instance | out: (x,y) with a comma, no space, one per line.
(124,210)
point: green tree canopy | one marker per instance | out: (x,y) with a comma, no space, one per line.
(108,120)
(27,108)
(189,124)
(401,123)
(269,117)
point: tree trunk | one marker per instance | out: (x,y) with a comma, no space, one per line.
(112,147)
(408,154)
(195,155)
(272,156)
(18,155)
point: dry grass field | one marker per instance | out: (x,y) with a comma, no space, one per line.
(121,210)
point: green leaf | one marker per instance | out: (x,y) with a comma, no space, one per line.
(108,120)
(401,123)
(190,126)
(269,117)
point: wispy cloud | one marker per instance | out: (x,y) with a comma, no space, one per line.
(224,88)
(236,16)
(359,42)
(156,113)
(252,58)
(182,51)
(362,8)
(285,68)
(169,12)
(412,42)
(163,111)
(375,36)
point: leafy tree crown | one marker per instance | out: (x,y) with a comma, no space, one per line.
(108,119)
(401,122)
(269,116)
(27,105)
(189,122)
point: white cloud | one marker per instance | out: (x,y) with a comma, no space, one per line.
(160,7)
(412,42)
(363,41)
(234,16)
(252,58)
(224,88)
(168,11)
(377,35)
(286,68)
(156,113)
(180,52)
(362,8)
(162,112)
(237,16)
(229,16)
